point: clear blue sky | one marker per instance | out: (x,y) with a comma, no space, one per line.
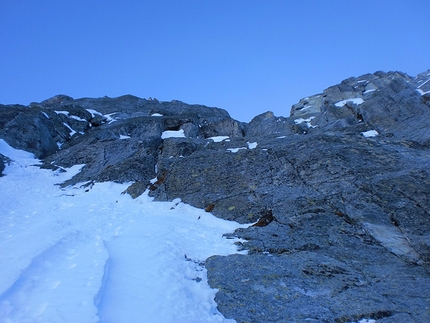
(244,56)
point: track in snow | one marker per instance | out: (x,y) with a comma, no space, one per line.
(67,255)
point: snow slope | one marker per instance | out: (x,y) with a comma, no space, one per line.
(91,254)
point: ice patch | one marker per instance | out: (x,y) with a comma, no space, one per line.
(124,137)
(156,115)
(44,113)
(356,101)
(370,133)
(173,134)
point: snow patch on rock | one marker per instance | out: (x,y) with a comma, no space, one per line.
(219,138)
(307,121)
(235,150)
(370,133)
(356,101)
(173,134)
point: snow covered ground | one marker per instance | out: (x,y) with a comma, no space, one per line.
(91,254)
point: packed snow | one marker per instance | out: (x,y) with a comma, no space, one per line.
(77,118)
(173,134)
(88,253)
(252,145)
(356,101)
(370,133)
(422,92)
(72,132)
(235,150)
(307,121)
(424,85)
(108,117)
(66,113)
(306,107)
(94,112)
(369,91)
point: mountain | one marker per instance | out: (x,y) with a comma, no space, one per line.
(336,194)
(90,254)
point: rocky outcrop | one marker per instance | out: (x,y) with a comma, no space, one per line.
(338,191)
(1,164)
(116,139)
(360,178)
(346,177)
(393,104)
(27,129)
(310,286)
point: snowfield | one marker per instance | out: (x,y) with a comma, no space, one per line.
(91,254)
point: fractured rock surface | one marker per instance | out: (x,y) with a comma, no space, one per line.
(339,189)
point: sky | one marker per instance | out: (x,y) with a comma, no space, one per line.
(244,56)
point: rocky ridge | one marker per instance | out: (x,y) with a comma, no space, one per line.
(339,189)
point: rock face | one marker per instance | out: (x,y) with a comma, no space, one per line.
(393,103)
(339,189)
(1,164)
(117,139)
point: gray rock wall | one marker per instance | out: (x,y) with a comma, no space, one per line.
(1,164)
(339,189)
